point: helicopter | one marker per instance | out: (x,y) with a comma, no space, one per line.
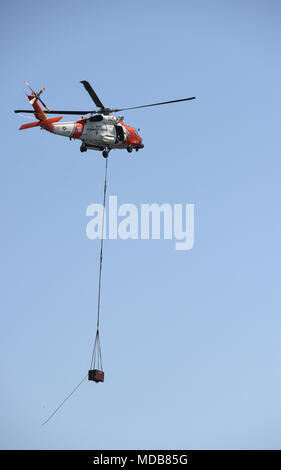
(101,131)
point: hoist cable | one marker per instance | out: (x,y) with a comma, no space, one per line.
(96,355)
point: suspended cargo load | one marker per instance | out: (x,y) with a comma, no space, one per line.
(96,375)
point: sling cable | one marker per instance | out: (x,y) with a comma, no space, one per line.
(95,372)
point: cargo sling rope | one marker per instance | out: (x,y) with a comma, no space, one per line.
(96,371)
(94,374)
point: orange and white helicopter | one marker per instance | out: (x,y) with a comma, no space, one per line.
(101,131)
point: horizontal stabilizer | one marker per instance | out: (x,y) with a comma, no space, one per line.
(44,123)
(29,125)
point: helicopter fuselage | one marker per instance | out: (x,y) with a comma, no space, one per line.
(99,132)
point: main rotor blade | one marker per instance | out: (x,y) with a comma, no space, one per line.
(92,93)
(108,110)
(57,112)
(154,104)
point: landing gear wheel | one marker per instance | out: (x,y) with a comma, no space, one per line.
(83,148)
(105,153)
(129,148)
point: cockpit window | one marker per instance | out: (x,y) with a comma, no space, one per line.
(136,131)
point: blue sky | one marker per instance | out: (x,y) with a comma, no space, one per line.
(191,340)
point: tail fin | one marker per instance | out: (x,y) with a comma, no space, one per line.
(38,111)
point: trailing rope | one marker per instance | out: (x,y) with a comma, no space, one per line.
(63,402)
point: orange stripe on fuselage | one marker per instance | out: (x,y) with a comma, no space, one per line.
(78,129)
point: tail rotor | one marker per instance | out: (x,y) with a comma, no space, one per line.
(37,96)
